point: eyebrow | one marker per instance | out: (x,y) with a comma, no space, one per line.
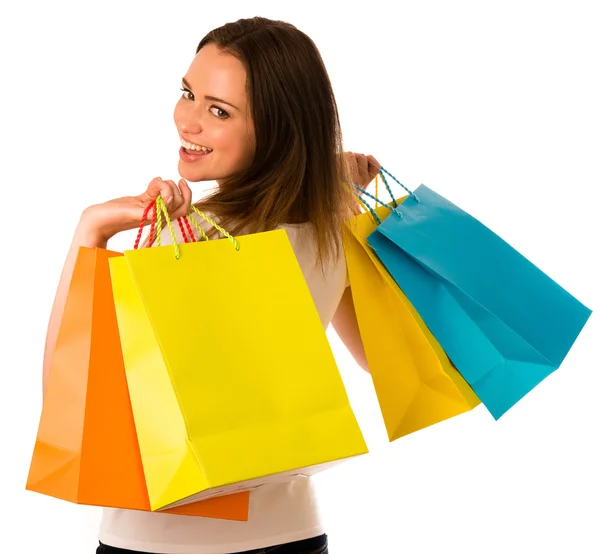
(213,98)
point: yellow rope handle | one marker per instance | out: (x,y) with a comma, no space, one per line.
(216,226)
(161,207)
(158,222)
(162,211)
(198,228)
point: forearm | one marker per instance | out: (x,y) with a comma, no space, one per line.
(97,224)
(84,236)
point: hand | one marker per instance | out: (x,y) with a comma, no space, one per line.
(103,221)
(363,169)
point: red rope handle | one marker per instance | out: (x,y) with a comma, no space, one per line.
(189,228)
(183,234)
(144,216)
(151,237)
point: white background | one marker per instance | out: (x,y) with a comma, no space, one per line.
(492,104)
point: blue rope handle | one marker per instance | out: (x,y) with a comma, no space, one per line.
(360,198)
(366,193)
(381,170)
(387,186)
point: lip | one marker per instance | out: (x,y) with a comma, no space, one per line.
(191,141)
(190,158)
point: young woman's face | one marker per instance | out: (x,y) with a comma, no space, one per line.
(213,112)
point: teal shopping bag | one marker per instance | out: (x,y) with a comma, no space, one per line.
(503,322)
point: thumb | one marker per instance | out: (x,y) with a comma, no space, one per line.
(156,187)
(186,192)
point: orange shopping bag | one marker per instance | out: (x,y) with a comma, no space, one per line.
(87,450)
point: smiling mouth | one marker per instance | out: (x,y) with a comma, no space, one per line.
(191,156)
(190,147)
(196,152)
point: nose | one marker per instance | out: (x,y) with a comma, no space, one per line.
(190,127)
(188,121)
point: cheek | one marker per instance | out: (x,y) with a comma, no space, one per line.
(234,142)
(177,113)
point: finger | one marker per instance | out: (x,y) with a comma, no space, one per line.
(363,168)
(186,200)
(177,196)
(158,186)
(374,166)
(186,191)
(165,189)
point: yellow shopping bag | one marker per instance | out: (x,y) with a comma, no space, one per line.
(415,382)
(230,373)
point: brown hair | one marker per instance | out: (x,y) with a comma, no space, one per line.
(299,169)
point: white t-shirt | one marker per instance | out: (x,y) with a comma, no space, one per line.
(279,512)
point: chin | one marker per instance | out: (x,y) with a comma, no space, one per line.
(193,175)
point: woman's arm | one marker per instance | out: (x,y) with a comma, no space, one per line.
(346,326)
(96,226)
(84,236)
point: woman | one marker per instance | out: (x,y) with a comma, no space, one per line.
(258,116)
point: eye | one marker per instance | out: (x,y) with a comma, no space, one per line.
(222,114)
(186,90)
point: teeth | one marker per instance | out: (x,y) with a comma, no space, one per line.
(190,146)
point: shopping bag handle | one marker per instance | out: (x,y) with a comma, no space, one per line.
(159,210)
(212,222)
(184,234)
(142,222)
(395,209)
